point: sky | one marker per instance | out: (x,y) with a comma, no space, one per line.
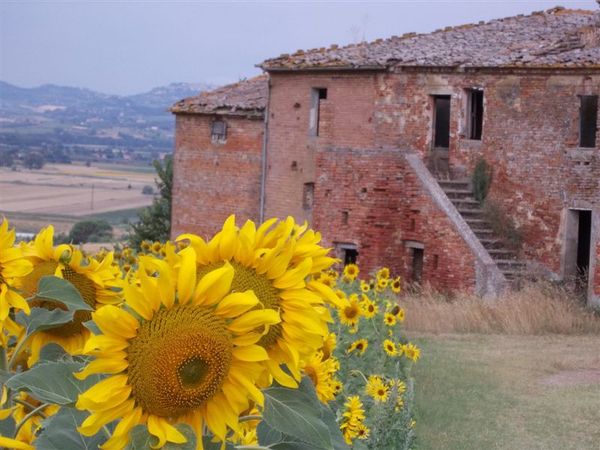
(129,47)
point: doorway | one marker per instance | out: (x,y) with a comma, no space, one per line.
(584,235)
(578,248)
(441,134)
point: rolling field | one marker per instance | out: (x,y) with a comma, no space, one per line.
(63,194)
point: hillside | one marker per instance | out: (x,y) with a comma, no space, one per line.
(68,123)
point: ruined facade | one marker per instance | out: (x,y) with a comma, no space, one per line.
(374,144)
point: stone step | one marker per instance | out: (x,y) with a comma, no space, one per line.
(465,204)
(512,274)
(492,243)
(510,264)
(483,232)
(471,213)
(454,184)
(501,253)
(458,193)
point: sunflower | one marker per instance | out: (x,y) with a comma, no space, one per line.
(396,285)
(12,265)
(389,319)
(352,418)
(365,286)
(377,388)
(176,351)
(97,283)
(359,346)
(322,373)
(382,284)
(383,273)
(390,347)
(369,308)
(329,344)
(275,261)
(350,311)
(363,432)
(351,271)
(411,351)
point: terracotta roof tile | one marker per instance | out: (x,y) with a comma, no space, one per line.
(556,37)
(246,98)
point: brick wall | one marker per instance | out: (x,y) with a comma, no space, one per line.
(387,211)
(212,181)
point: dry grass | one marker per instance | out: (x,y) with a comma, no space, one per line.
(535,310)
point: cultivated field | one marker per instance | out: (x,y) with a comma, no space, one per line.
(62,194)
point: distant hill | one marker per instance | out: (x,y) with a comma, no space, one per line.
(90,125)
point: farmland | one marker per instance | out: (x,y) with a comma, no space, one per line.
(63,194)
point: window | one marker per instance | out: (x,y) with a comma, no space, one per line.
(308,196)
(474,113)
(588,119)
(317,95)
(218,131)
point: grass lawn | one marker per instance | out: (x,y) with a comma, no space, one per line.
(507,392)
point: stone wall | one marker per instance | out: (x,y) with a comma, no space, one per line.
(214,180)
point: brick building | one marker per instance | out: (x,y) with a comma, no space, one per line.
(375,143)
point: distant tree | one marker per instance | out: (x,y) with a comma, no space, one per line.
(148,190)
(91,231)
(7,158)
(34,160)
(154,222)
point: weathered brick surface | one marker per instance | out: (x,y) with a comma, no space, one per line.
(212,181)
(530,136)
(387,211)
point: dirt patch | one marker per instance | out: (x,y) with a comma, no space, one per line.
(573,377)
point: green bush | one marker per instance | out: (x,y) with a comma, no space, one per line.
(91,231)
(482,180)
(503,225)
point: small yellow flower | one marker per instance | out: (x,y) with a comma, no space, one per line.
(411,351)
(396,285)
(390,347)
(369,308)
(351,272)
(363,432)
(389,319)
(360,346)
(377,389)
(364,286)
(351,312)
(383,273)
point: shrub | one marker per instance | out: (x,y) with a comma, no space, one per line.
(91,231)
(503,225)
(482,180)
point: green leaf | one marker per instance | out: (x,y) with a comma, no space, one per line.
(42,319)
(53,382)
(209,445)
(91,325)
(7,426)
(60,432)
(57,289)
(52,352)
(293,412)
(337,438)
(141,439)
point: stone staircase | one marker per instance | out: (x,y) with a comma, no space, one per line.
(460,194)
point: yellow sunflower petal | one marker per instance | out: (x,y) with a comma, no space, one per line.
(102,366)
(254,319)
(251,353)
(236,304)
(187,275)
(105,394)
(92,424)
(164,431)
(115,321)
(14,444)
(214,285)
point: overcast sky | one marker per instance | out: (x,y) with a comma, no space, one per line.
(128,47)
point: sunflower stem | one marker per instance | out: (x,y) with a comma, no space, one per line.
(15,353)
(30,406)
(29,416)
(354,371)
(249,418)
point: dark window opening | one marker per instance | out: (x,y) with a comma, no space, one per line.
(436,261)
(345,217)
(441,120)
(318,94)
(417,265)
(218,131)
(308,196)
(588,120)
(475,113)
(350,256)
(584,235)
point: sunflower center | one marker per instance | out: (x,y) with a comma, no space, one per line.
(246,278)
(351,312)
(178,360)
(84,285)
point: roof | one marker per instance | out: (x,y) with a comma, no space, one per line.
(557,37)
(245,98)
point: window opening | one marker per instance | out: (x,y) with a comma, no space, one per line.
(308,196)
(588,119)
(317,95)
(350,256)
(475,113)
(218,131)
(345,217)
